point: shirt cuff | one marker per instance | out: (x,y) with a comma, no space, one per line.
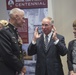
(33,42)
(56,41)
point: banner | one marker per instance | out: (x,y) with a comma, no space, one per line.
(23,31)
(26,4)
(35,11)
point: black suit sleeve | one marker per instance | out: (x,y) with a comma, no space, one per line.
(61,46)
(32,49)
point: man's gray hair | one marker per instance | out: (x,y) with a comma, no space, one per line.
(15,11)
(51,20)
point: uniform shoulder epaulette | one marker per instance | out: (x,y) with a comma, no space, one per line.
(6,27)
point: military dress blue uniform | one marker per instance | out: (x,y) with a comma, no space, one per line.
(10,62)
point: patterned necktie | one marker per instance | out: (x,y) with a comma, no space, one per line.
(46,42)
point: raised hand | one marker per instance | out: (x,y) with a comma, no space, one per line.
(54,33)
(36,34)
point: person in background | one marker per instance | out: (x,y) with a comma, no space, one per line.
(10,63)
(3,23)
(48,50)
(71,56)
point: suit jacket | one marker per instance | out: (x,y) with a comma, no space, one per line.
(48,61)
(69,55)
(9,52)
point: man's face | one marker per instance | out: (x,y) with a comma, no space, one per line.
(74,31)
(20,20)
(46,26)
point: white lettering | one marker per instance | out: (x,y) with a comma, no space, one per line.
(30,4)
(19,0)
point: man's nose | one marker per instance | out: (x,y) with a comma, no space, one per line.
(24,21)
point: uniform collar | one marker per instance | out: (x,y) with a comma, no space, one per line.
(12,26)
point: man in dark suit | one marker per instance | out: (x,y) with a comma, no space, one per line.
(10,63)
(48,56)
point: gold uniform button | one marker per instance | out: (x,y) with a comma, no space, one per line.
(15,42)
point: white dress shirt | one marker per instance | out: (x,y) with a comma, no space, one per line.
(49,37)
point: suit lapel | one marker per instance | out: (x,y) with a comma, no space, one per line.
(50,43)
(42,43)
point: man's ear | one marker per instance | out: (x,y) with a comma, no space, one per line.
(16,17)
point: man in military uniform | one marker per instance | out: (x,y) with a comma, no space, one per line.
(10,63)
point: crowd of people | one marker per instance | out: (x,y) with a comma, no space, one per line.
(47,45)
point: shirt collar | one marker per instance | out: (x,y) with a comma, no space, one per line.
(49,36)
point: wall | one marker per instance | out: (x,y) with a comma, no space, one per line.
(64,13)
(3,13)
